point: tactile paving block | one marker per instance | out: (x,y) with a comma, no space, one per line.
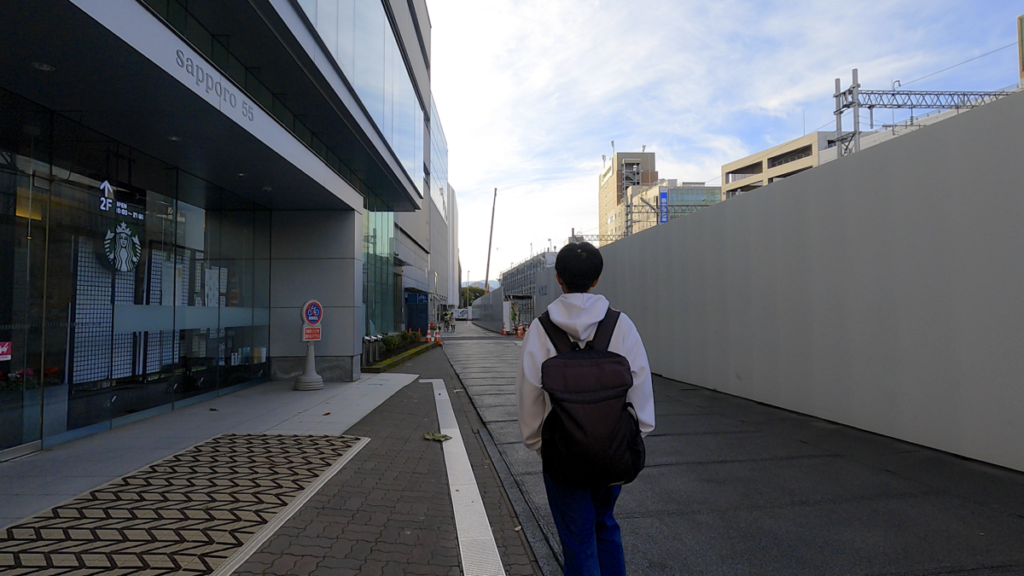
(185,514)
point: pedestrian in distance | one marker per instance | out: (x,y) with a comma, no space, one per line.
(585,402)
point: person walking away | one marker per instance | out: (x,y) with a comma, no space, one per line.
(585,402)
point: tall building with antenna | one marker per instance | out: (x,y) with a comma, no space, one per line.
(625,169)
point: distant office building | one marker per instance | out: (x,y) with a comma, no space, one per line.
(626,169)
(775,163)
(427,257)
(1020,47)
(668,200)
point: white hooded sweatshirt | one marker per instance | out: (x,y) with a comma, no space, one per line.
(579,315)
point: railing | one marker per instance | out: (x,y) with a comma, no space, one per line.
(733,177)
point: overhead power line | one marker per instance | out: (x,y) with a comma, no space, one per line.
(960,64)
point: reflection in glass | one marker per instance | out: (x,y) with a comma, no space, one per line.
(359,36)
(133,285)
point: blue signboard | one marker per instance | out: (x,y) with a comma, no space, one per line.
(663,206)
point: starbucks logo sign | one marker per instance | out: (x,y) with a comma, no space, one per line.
(122,247)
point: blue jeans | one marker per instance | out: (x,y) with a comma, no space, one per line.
(590,536)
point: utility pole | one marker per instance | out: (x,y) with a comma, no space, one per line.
(490,240)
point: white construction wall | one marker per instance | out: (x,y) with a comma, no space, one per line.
(884,290)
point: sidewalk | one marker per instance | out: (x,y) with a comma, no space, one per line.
(386,511)
(733,487)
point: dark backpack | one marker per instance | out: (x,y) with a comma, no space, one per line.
(590,438)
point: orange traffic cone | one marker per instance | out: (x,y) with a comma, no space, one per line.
(520,332)
(430,333)
(437,336)
(503,331)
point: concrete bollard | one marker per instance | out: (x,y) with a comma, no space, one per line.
(309,379)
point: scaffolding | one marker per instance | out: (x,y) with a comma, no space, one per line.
(519,283)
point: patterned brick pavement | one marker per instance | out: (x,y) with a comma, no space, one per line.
(388,511)
(186,514)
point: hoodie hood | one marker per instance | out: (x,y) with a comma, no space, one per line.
(578,314)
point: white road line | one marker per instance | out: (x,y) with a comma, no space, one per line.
(476,540)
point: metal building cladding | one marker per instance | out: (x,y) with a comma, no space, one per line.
(177,178)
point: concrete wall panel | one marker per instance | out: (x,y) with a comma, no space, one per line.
(487,311)
(880,291)
(315,255)
(331,283)
(314,234)
(340,337)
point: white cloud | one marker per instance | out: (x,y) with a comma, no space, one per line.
(531,92)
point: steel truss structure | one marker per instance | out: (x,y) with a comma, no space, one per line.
(576,238)
(631,217)
(853,98)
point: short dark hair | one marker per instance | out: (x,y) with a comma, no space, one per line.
(579,266)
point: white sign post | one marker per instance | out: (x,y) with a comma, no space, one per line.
(312,315)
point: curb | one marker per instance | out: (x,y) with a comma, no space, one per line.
(390,363)
(544,545)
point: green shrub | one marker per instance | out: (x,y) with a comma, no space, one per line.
(392,341)
(411,337)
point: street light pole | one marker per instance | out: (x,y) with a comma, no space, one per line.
(490,240)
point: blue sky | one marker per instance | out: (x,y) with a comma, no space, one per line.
(532,92)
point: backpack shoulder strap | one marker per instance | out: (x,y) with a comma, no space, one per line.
(559,339)
(603,337)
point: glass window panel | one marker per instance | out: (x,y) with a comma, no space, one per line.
(346,36)
(258,91)
(220,56)
(158,6)
(21,254)
(171,312)
(309,7)
(419,146)
(369,57)
(390,56)
(176,15)
(318,147)
(327,24)
(235,70)
(405,125)
(302,132)
(198,35)
(283,114)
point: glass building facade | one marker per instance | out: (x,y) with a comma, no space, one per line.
(438,162)
(129,285)
(358,34)
(399,131)
(382,287)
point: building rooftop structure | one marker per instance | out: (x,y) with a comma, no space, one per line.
(775,163)
(625,169)
(817,148)
(667,200)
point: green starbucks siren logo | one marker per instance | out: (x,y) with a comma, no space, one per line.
(122,247)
